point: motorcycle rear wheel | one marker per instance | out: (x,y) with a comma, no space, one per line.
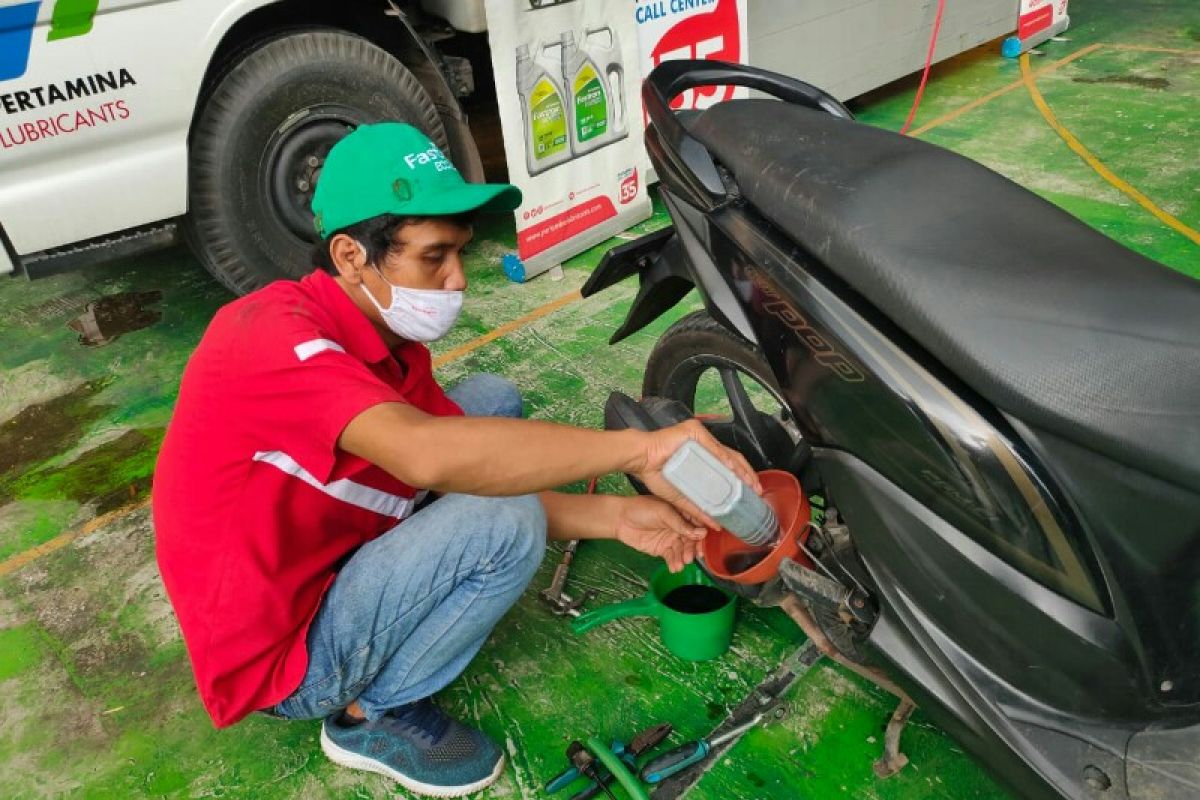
(677,369)
(681,367)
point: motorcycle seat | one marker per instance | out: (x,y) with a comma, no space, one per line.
(1049,320)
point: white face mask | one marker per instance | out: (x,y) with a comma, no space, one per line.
(421,315)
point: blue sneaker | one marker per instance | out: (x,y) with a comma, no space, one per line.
(419,747)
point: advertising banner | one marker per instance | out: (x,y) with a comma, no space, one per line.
(674,29)
(567,78)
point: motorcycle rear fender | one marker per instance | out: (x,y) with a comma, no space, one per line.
(662,278)
(669,263)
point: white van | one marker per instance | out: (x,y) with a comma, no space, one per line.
(125,124)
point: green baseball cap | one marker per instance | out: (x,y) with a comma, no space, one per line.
(393,168)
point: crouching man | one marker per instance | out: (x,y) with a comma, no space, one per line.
(308,428)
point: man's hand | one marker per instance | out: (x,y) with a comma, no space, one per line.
(653,527)
(662,444)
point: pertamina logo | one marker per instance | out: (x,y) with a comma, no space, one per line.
(62,106)
(17,23)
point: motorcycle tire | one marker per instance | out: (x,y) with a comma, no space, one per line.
(260,139)
(698,342)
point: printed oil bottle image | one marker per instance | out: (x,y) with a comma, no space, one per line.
(605,50)
(543,107)
(597,111)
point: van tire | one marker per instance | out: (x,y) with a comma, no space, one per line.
(260,138)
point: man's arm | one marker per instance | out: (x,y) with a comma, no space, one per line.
(493,456)
(581,516)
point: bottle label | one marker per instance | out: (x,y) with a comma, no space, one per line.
(547,120)
(591,105)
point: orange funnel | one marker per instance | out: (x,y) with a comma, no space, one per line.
(728,557)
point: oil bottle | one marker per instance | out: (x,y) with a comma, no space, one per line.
(543,109)
(718,492)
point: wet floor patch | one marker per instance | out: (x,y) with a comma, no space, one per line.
(1139,81)
(108,476)
(43,430)
(106,319)
(106,633)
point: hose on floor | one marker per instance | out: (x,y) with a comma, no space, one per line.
(617,767)
(937,26)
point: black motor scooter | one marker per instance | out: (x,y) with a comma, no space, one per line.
(999,406)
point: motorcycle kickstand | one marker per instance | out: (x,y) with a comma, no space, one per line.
(892,760)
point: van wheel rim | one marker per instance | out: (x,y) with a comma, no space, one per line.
(293,160)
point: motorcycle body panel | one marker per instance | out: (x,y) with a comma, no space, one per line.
(955,519)
(1026,603)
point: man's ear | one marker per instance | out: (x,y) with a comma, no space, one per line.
(348,256)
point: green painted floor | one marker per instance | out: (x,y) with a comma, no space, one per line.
(96,698)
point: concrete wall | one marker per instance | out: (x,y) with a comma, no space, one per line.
(848,47)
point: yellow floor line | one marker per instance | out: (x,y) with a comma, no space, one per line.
(507,328)
(987,98)
(14,563)
(1094,163)
(1146,48)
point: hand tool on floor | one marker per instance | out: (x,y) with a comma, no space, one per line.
(553,595)
(571,774)
(680,758)
(649,739)
(767,698)
(594,788)
(628,781)
(582,759)
(643,742)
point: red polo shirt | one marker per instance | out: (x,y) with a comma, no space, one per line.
(254,505)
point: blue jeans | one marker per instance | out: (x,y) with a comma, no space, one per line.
(410,609)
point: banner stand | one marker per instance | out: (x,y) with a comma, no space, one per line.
(1037,22)
(568,88)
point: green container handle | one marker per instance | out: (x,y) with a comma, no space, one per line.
(644,606)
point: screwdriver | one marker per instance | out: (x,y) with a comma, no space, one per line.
(662,767)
